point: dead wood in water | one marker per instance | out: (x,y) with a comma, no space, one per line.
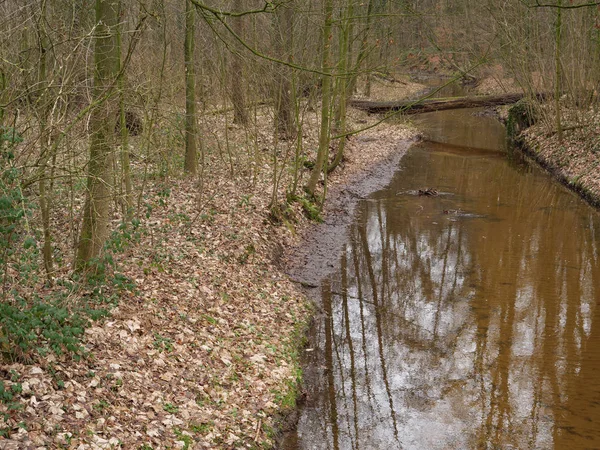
(415,107)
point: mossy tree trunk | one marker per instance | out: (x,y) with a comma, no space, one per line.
(191,153)
(94,230)
(324,133)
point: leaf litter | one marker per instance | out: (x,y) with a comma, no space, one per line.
(202,353)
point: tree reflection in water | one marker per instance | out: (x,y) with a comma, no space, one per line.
(473,330)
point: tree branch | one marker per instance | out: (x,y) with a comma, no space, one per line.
(546,5)
(269,7)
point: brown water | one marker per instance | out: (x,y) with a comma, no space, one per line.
(465,320)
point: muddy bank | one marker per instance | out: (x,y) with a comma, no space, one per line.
(317,253)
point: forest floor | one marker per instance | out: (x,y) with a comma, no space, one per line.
(204,351)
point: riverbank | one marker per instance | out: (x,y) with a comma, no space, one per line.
(575,162)
(202,351)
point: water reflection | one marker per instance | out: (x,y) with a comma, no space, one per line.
(473,329)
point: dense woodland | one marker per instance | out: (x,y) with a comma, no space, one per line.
(109,108)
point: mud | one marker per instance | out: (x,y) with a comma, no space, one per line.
(318,254)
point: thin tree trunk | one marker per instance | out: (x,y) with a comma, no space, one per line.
(125,166)
(44,147)
(240,115)
(102,124)
(557,83)
(362,54)
(2,101)
(324,134)
(191,155)
(284,118)
(343,82)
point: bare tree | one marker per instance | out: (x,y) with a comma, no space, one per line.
(324,133)
(238,97)
(191,157)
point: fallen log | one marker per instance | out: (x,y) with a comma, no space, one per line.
(438,104)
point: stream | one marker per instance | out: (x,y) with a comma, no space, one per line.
(466,319)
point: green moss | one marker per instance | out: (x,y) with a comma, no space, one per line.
(521,115)
(309,206)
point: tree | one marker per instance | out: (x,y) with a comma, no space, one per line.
(343,81)
(43,110)
(191,157)
(283,24)
(557,83)
(363,53)
(125,163)
(324,133)
(102,124)
(240,115)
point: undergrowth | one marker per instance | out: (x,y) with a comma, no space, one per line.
(36,317)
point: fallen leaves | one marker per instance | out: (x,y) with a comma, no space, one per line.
(199,354)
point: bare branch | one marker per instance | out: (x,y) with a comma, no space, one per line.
(547,5)
(268,7)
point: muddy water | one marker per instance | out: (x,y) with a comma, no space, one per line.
(463,320)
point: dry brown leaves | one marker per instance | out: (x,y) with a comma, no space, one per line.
(202,354)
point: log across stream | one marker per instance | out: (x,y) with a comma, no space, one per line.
(443,331)
(438,104)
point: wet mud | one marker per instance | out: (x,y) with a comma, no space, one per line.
(317,256)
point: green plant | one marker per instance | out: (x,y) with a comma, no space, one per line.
(248,251)
(162,343)
(245,200)
(187,440)
(170,408)
(310,208)
(101,405)
(45,324)
(202,428)
(210,319)
(54,322)
(14,206)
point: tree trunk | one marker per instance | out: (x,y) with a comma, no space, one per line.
(43,111)
(324,135)
(191,156)
(413,107)
(102,124)
(362,55)
(240,115)
(343,82)
(284,119)
(125,166)
(557,83)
